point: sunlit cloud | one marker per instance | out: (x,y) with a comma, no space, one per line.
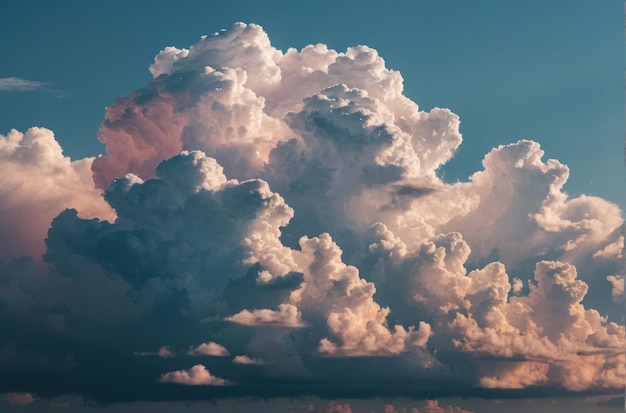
(289,206)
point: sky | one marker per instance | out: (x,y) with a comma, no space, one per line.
(312,206)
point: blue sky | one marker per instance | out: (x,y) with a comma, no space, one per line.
(327,235)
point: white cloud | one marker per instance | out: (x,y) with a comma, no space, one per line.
(16,84)
(198,375)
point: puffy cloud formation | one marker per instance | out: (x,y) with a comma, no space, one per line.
(198,375)
(617,281)
(209,349)
(36,183)
(288,206)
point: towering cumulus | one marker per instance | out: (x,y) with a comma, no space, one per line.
(263,220)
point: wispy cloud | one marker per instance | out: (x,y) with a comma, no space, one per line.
(17,84)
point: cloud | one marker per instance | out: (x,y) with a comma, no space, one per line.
(248,361)
(237,69)
(522,375)
(198,375)
(16,84)
(302,408)
(208,349)
(287,315)
(338,407)
(617,281)
(164,352)
(19,399)
(37,182)
(288,205)
(60,405)
(549,324)
(432,406)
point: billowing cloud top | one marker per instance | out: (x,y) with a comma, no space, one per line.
(287,206)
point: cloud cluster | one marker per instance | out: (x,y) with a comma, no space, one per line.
(288,206)
(37,182)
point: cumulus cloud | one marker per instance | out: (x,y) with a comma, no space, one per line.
(37,182)
(617,281)
(551,324)
(208,349)
(288,205)
(522,375)
(335,291)
(198,375)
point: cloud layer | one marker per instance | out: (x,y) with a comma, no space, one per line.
(287,205)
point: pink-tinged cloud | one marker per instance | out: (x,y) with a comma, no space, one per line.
(358,324)
(282,190)
(287,316)
(198,375)
(228,94)
(163,352)
(245,360)
(209,349)
(37,182)
(523,374)
(19,399)
(432,406)
(617,282)
(336,406)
